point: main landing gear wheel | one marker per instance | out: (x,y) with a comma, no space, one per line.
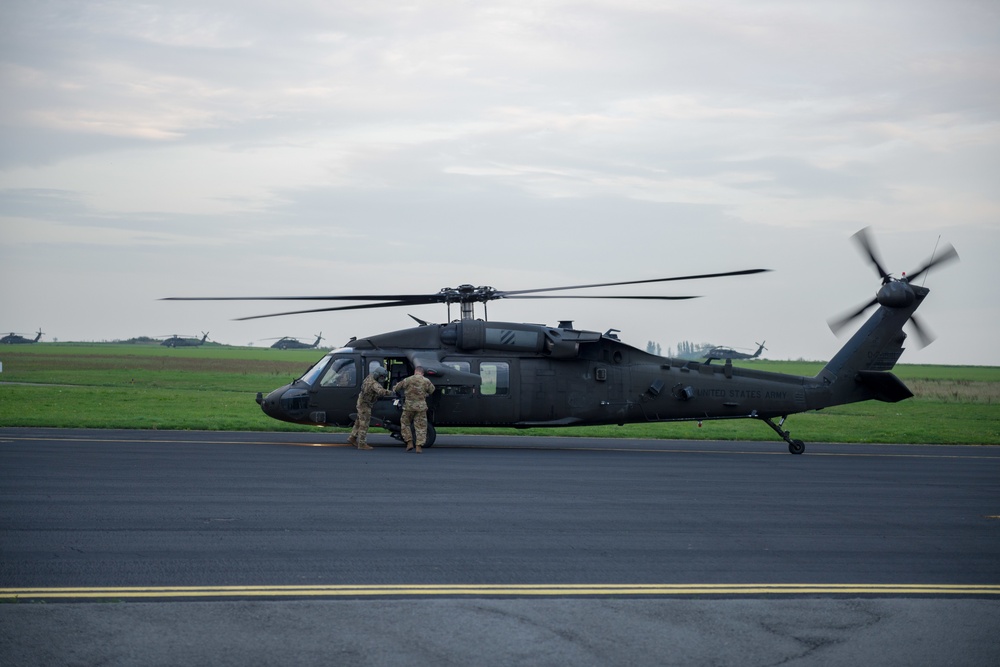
(794,446)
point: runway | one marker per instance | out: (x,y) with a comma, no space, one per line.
(578,527)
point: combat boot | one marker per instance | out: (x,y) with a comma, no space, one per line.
(409,446)
(420,450)
(352,441)
(364,445)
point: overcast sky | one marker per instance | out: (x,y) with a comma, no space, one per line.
(242,148)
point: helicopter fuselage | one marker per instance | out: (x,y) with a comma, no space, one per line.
(502,374)
(528,375)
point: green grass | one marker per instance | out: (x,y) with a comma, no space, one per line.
(144,408)
(155,367)
(66,385)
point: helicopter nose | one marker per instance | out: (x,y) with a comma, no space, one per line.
(269,404)
(288,403)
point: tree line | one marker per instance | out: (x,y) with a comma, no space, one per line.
(685,349)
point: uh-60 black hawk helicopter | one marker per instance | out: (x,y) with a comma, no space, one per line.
(182,341)
(20,339)
(290,343)
(503,374)
(718,353)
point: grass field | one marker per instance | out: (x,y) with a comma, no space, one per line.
(212,387)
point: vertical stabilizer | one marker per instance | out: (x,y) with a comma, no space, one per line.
(860,370)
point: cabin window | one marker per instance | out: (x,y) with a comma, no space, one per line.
(496,378)
(340,373)
(462,366)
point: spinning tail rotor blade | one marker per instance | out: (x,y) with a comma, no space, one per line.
(837,324)
(924,336)
(862,239)
(948,255)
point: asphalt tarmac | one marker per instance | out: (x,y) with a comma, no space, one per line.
(145,547)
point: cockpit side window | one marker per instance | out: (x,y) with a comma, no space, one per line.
(341,372)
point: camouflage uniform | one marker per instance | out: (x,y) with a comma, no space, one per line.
(416,389)
(371,390)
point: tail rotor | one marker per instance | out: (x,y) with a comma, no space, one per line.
(895,292)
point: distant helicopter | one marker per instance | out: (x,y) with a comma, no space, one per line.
(289,343)
(180,341)
(502,374)
(717,353)
(19,339)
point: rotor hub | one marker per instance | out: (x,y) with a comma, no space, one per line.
(896,294)
(467,294)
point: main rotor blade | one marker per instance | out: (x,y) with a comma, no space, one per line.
(414,302)
(325,310)
(747,272)
(416,298)
(461,294)
(838,323)
(948,255)
(861,238)
(560,296)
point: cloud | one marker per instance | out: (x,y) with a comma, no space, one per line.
(176,148)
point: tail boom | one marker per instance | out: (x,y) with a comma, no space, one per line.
(860,370)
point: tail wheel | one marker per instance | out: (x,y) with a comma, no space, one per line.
(796,446)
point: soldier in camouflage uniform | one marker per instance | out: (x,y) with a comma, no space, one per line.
(416,389)
(371,390)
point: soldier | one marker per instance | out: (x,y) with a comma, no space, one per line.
(371,389)
(416,389)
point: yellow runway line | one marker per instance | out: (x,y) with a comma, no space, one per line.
(499,590)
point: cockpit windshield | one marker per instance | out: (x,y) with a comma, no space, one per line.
(313,373)
(336,369)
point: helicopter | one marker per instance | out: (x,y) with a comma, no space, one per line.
(505,374)
(180,341)
(289,343)
(19,339)
(718,353)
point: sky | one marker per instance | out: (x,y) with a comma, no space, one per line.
(313,147)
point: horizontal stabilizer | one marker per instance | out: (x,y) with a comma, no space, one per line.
(887,387)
